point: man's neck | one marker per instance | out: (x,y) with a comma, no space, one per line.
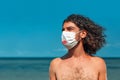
(77,51)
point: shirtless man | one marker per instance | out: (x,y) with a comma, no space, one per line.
(82,38)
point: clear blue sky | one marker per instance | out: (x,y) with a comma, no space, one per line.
(32,28)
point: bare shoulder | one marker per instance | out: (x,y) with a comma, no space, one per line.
(99,62)
(54,62)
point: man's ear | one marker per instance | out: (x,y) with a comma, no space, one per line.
(83,33)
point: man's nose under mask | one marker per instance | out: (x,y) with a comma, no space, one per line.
(68,39)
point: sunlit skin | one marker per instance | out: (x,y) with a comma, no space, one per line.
(77,64)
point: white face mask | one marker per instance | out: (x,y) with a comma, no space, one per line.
(68,39)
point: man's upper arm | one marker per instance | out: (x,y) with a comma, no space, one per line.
(102,70)
(52,74)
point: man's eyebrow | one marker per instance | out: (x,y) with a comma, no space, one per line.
(68,27)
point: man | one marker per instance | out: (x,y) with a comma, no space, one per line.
(82,37)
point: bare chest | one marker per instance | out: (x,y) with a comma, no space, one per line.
(66,72)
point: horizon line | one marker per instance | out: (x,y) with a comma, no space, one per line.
(48,57)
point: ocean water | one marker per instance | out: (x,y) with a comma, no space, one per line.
(37,68)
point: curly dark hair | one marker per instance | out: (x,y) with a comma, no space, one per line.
(95,38)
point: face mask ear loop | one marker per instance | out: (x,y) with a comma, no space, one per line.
(80,37)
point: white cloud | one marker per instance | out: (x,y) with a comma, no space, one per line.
(60,49)
(117,45)
(19,52)
(22,52)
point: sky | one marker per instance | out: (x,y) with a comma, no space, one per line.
(32,28)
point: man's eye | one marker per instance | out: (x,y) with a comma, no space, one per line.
(69,29)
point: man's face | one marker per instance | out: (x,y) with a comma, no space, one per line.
(71,27)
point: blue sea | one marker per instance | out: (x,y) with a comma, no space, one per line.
(37,68)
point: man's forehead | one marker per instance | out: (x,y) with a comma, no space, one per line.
(68,26)
(69,23)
